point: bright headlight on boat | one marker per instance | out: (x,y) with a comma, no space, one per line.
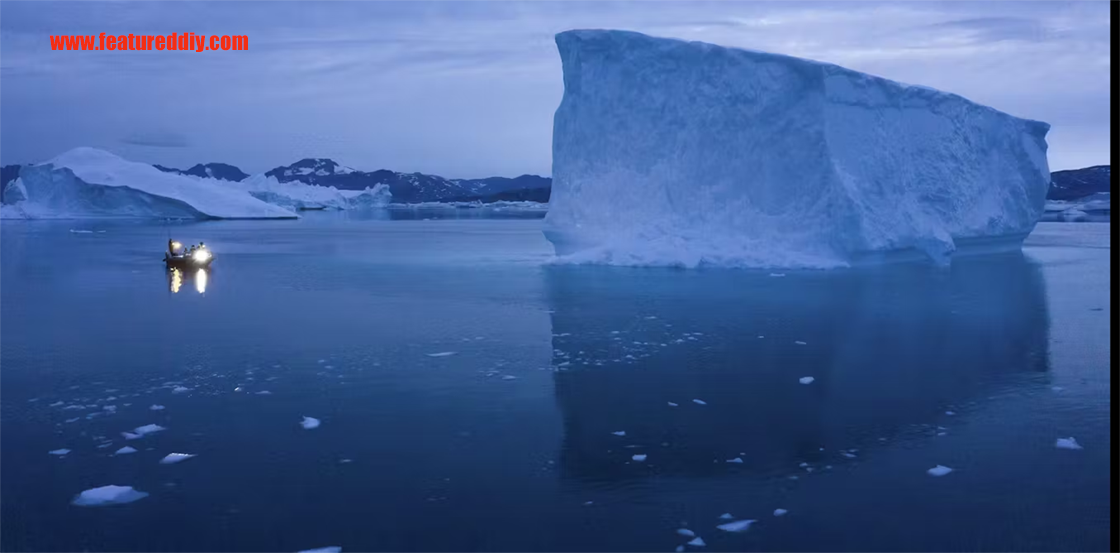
(201,255)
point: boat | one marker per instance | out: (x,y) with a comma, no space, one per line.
(200,258)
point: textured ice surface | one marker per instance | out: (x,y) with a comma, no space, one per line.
(173,458)
(90,183)
(294,195)
(683,153)
(309,423)
(108,495)
(737,526)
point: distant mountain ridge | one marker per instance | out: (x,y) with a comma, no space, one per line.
(220,171)
(1079,183)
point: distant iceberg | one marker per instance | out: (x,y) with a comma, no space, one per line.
(297,196)
(668,152)
(91,183)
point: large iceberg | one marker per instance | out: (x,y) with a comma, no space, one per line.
(299,196)
(87,182)
(683,153)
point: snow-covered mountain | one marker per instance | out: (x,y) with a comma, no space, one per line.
(220,171)
(1079,183)
(412,187)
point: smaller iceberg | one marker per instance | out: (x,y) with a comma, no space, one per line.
(108,495)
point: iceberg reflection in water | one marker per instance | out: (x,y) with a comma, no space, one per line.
(889,349)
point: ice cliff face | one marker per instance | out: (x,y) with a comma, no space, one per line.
(685,153)
(86,182)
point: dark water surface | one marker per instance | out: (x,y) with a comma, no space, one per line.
(508,443)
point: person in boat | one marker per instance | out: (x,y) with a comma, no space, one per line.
(174,248)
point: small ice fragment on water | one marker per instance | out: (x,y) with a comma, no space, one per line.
(679,548)
(699,402)
(639,458)
(126,450)
(686,532)
(156,408)
(130,435)
(173,458)
(619,433)
(442,354)
(671,404)
(509,377)
(180,390)
(309,422)
(777,274)
(800,343)
(1057,388)
(148,429)
(792,477)
(806,380)
(942,433)
(698,542)
(80,231)
(56,404)
(238,389)
(344,461)
(321,361)
(726,516)
(327,549)
(950,413)
(1067,443)
(737,526)
(75,419)
(848,455)
(939,471)
(108,495)
(586,503)
(761,336)
(735,460)
(264,393)
(780,512)
(62,451)
(803,465)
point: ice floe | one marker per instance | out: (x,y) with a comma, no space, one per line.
(686,532)
(619,433)
(180,390)
(780,512)
(141,431)
(108,495)
(1067,443)
(671,404)
(737,526)
(442,354)
(726,516)
(806,380)
(157,408)
(697,542)
(699,402)
(735,460)
(264,393)
(309,422)
(327,549)
(173,458)
(800,343)
(939,470)
(126,450)
(639,458)
(62,451)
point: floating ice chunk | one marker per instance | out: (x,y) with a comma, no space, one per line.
(806,380)
(156,408)
(686,532)
(803,465)
(737,526)
(264,393)
(509,377)
(80,231)
(327,549)
(939,470)
(726,516)
(148,429)
(126,450)
(180,390)
(777,274)
(130,435)
(619,433)
(56,404)
(679,549)
(848,455)
(950,413)
(75,419)
(173,458)
(699,402)
(108,495)
(800,343)
(639,458)
(239,389)
(735,460)
(671,404)
(780,512)
(697,542)
(62,451)
(442,354)
(1057,388)
(1067,443)
(309,422)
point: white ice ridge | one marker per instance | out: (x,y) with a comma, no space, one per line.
(90,183)
(296,195)
(683,153)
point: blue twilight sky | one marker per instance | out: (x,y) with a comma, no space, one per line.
(468,89)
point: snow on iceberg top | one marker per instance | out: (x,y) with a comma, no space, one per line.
(209,197)
(668,152)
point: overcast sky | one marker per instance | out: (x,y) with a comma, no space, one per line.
(469,89)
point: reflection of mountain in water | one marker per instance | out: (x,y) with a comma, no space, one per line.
(888,347)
